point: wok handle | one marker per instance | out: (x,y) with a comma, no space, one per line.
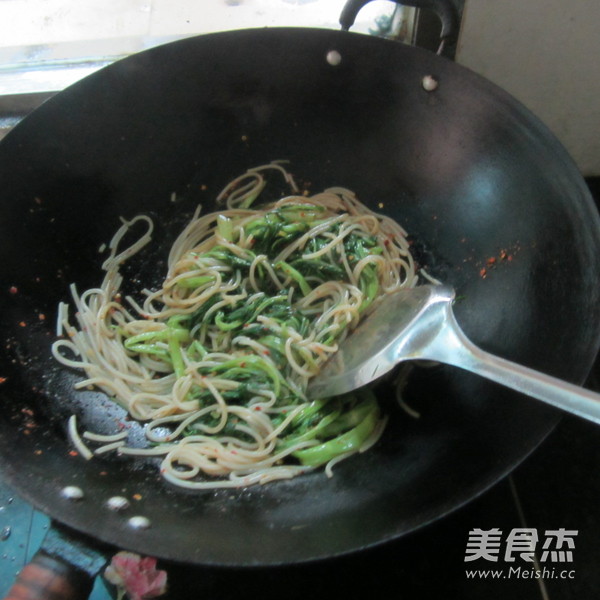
(443,8)
(49,578)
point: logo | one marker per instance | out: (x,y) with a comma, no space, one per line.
(528,554)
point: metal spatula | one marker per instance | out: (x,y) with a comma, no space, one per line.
(419,324)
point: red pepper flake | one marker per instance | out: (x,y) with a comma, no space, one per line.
(492,260)
(509,257)
(258,408)
(22,324)
(37,452)
(13,289)
(483,273)
(103,473)
(233,452)
(73,453)
(266,352)
(42,317)
(502,254)
(3,380)
(137,496)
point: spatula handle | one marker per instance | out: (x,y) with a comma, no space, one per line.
(556,392)
(453,347)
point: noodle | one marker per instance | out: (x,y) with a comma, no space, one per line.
(106,439)
(254,301)
(76,439)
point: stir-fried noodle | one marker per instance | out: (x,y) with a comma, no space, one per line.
(216,361)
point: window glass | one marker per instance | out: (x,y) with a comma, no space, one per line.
(52,43)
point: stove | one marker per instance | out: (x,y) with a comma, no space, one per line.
(535,534)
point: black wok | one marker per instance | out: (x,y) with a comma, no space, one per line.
(470,173)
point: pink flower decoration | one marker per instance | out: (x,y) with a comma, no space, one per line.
(136,576)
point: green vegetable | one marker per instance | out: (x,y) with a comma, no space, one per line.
(225,227)
(349,441)
(176,356)
(336,425)
(194,283)
(369,285)
(295,275)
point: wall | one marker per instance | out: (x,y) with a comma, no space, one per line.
(546,53)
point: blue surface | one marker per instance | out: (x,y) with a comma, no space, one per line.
(22,530)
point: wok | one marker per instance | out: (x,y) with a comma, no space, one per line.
(470,173)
